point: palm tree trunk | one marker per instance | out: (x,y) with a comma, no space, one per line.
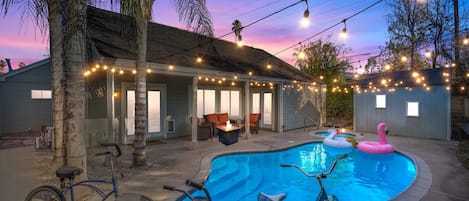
(139,154)
(74,83)
(55,37)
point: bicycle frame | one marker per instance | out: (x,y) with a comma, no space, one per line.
(88,183)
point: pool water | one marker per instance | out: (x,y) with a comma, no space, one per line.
(360,176)
(344,135)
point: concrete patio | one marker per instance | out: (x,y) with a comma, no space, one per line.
(440,174)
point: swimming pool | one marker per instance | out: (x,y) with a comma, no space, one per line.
(360,176)
(325,134)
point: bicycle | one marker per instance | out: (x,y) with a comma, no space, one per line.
(261,196)
(322,196)
(52,193)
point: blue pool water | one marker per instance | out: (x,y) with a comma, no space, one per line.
(360,176)
(325,134)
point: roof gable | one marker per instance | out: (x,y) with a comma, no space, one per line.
(24,69)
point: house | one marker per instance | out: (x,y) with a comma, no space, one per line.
(229,79)
(26,98)
(411,103)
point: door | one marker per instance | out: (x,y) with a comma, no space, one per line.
(155,111)
(262,102)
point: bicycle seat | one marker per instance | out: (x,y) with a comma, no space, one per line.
(68,172)
(266,197)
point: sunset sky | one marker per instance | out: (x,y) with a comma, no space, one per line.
(22,42)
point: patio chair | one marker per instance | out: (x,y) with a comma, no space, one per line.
(254,122)
(204,130)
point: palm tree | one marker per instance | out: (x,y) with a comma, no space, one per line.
(237,28)
(196,16)
(65,22)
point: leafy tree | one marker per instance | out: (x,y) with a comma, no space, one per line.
(322,58)
(406,29)
(439,18)
(196,16)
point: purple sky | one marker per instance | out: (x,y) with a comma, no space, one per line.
(367,31)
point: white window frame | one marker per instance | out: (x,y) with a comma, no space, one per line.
(380,101)
(411,111)
(230,100)
(41,94)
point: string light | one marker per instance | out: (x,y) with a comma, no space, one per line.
(343,33)
(404,59)
(387,67)
(134,71)
(171,67)
(199,59)
(465,41)
(121,72)
(105,67)
(305,20)
(148,70)
(113,70)
(428,54)
(301,55)
(240,42)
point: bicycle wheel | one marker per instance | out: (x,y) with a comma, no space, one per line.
(45,193)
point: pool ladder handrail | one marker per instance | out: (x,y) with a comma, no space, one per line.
(319,175)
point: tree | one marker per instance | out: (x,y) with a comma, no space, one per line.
(439,20)
(66,23)
(196,16)
(237,28)
(322,58)
(21,65)
(2,66)
(406,29)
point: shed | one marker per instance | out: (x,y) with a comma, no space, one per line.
(411,103)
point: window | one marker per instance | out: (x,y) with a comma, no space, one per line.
(41,94)
(412,109)
(205,102)
(381,101)
(229,102)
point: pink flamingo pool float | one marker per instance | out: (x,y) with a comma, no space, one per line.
(381,147)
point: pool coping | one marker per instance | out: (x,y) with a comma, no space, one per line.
(416,191)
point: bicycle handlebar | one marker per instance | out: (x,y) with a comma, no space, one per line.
(119,152)
(194,184)
(322,174)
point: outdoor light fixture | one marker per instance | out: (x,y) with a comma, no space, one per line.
(387,67)
(343,34)
(199,59)
(134,71)
(428,54)
(148,70)
(404,59)
(465,41)
(301,55)
(171,67)
(305,20)
(240,42)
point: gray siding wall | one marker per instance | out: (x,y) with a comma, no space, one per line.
(19,113)
(433,120)
(300,108)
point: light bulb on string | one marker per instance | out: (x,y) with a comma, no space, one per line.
(404,59)
(305,20)
(465,41)
(240,42)
(343,33)
(301,55)
(428,54)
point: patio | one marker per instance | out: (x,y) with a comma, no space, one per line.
(171,163)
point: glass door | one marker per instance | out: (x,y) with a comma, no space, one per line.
(155,112)
(262,102)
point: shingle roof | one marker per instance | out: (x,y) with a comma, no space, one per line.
(111,35)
